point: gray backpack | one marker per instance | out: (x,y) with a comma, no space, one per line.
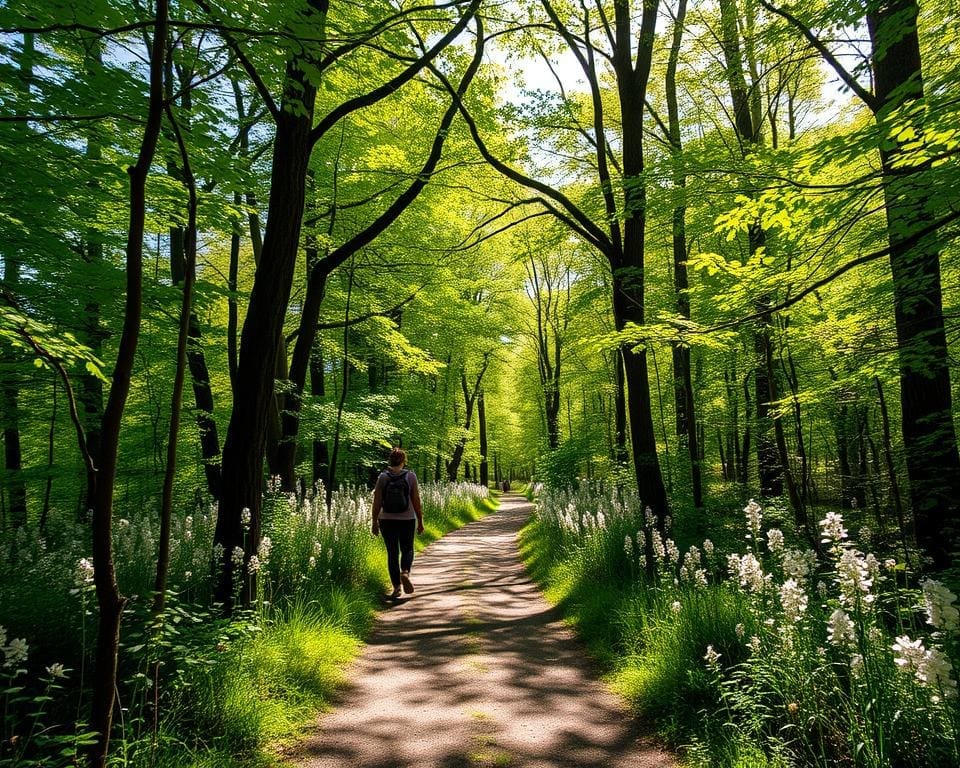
(396,493)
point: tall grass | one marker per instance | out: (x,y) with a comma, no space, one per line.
(197,689)
(775,655)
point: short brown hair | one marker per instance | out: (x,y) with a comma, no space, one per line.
(398,457)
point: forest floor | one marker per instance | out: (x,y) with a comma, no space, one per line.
(476,669)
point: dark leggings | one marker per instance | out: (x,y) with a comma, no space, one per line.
(398,538)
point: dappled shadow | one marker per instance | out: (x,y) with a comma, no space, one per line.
(475,669)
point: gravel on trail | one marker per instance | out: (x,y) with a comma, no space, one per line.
(475,669)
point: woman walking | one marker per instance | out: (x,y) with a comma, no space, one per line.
(397,513)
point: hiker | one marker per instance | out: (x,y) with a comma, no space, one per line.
(397,513)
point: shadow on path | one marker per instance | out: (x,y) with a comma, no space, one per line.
(475,669)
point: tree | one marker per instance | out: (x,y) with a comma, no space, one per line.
(930,443)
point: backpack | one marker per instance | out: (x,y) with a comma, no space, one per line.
(396,494)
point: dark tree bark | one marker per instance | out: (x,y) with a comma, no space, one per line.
(482,426)
(90,387)
(544,287)
(187,319)
(321,269)
(101,483)
(181,240)
(469,398)
(929,435)
(621,236)
(261,338)
(685,404)
(926,406)
(748,127)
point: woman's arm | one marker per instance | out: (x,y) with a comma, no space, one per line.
(375,510)
(417,505)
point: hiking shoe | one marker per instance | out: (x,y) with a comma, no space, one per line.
(407,584)
(395,594)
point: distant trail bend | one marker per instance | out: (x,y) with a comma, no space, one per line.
(476,669)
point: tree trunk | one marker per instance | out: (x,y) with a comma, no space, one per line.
(101,483)
(187,319)
(929,437)
(482,425)
(322,268)
(683,381)
(261,338)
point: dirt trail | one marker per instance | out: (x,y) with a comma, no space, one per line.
(475,669)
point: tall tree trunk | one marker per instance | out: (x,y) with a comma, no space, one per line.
(683,382)
(90,389)
(482,426)
(344,389)
(747,125)
(926,407)
(321,455)
(261,338)
(469,398)
(180,266)
(323,267)
(101,483)
(187,319)
(628,265)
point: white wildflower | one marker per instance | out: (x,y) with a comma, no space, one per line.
(188,522)
(908,654)
(889,563)
(754,515)
(793,599)
(822,590)
(83,575)
(936,671)
(3,636)
(942,613)
(237,556)
(775,540)
(673,551)
(754,644)
(795,564)
(188,575)
(245,517)
(712,658)
(751,573)
(56,671)
(649,517)
(254,565)
(853,576)
(740,630)
(312,561)
(832,528)
(263,551)
(218,552)
(659,552)
(733,566)
(628,546)
(123,523)
(873,566)
(708,547)
(16,652)
(840,628)
(866,535)
(675,606)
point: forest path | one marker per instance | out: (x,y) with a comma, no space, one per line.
(475,669)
